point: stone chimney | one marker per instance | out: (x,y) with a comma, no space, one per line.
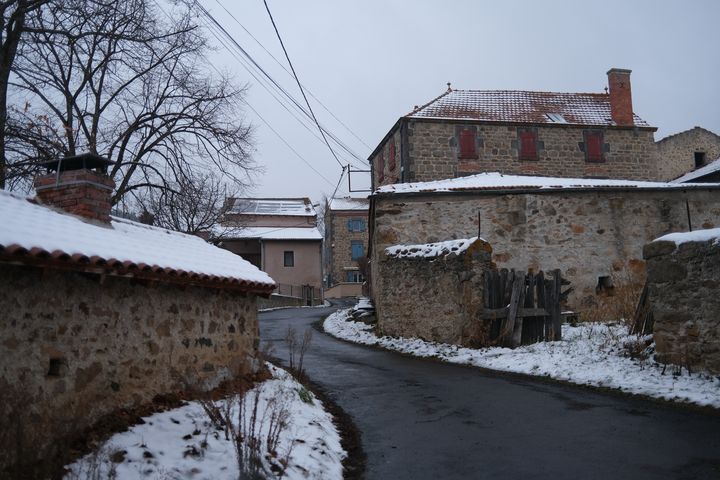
(79,185)
(620,96)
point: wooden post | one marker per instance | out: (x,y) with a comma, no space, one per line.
(555,307)
(518,327)
(508,331)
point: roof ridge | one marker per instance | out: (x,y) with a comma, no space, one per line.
(696,127)
(600,94)
(416,110)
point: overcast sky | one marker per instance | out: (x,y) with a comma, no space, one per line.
(370,62)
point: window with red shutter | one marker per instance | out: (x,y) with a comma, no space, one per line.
(468,146)
(380,167)
(391,155)
(528,145)
(594,146)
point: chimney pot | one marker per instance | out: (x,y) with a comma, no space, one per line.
(78,185)
(620,96)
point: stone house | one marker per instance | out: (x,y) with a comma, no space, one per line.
(686,152)
(592,230)
(464,132)
(346,240)
(710,173)
(101,313)
(279,236)
(683,272)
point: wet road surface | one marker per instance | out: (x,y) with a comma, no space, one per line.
(421,419)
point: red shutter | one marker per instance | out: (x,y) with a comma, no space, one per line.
(593,146)
(528,145)
(467,143)
(380,167)
(391,155)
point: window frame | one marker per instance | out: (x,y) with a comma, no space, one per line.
(356,221)
(291,257)
(600,135)
(462,134)
(391,155)
(532,135)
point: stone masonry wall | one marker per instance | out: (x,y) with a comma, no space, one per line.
(432,153)
(676,153)
(338,244)
(587,234)
(433,299)
(683,285)
(76,347)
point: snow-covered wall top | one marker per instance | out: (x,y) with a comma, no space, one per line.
(43,232)
(498,181)
(696,236)
(270,233)
(430,250)
(296,207)
(349,203)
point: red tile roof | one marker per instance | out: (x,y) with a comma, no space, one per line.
(516,106)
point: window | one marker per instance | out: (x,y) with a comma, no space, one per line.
(354,276)
(357,250)
(527,144)
(380,167)
(593,146)
(356,225)
(699,159)
(391,155)
(467,143)
(289,258)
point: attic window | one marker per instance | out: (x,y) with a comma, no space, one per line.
(555,118)
(467,143)
(699,159)
(593,146)
(391,155)
(527,144)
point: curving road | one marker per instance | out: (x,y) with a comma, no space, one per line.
(421,419)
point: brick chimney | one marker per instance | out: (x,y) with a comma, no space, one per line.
(620,96)
(79,185)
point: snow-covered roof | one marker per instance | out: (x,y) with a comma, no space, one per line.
(711,167)
(520,106)
(696,236)
(349,203)
(297,207)
(497,181)
(430,250)
(271,233)
(32,233)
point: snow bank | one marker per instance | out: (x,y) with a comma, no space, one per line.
(182,443)
(430,250)
(589,354)
(696,236)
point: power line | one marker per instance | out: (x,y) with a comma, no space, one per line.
(288,72)
(300,85)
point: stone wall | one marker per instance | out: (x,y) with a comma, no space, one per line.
(683,285)
(75,345)
(431,153)
(676,153)
(437,299)
(338,243)
(588,234)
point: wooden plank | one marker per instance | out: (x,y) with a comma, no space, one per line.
(494,289)
(530,291)
(507,293)
(509,324)
(493,313)
(486,288)
(500,299)
(518,325)
(555,308)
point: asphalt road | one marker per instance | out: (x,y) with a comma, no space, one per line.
(421,419)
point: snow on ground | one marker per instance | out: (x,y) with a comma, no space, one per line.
(589,354)
(182,443)
(430,250)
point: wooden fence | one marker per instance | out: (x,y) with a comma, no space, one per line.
(523,307)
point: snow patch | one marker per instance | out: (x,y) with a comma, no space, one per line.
(696,236)
(589,354)
(430,250)
(182,443)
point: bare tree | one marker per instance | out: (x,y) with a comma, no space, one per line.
(120,80)
(12,15)
(195,204)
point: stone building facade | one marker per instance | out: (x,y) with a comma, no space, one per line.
(346,241)
(436,296)
(686,151)
(101,313)
(683,275)
(590,229)
(576,135)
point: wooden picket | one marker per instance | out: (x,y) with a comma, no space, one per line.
(523,307)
